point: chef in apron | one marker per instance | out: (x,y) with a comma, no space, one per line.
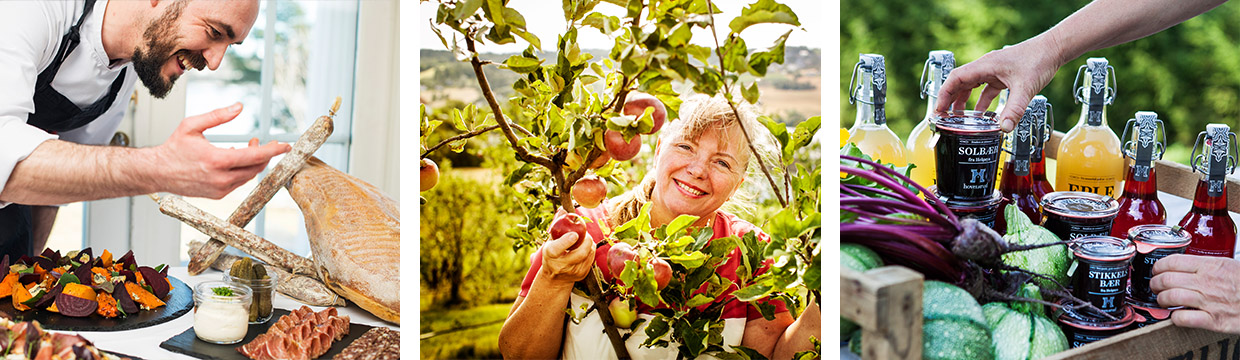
(80,95)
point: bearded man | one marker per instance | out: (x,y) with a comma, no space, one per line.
(66,71)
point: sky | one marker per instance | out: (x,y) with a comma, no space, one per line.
(545,18)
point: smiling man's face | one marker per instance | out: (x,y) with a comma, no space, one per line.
(189,35)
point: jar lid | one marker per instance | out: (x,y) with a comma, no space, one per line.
(1079,204)
(957,203)
(967,121)
(1073,318)
(1159,236)
(1103,248)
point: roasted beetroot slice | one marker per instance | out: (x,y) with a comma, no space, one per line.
(45,263)
(25,260)
(84,257)
(48,253)
(159,283)
(49,298)
(123,300)
(127,260)
(29,278)
(74,306)
(4,267)
(83,274)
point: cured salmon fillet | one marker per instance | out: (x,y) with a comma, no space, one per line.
(354,234)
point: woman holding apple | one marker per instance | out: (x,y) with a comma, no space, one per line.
(699,165)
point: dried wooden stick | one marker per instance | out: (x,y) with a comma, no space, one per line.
(234,235)
(301,288)
(307,144)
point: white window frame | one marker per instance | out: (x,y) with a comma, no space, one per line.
(135,223)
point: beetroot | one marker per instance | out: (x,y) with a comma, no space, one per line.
(29,278)
(4,267)
(158,283)
(54,255)
(123,300)
(45,263)
(83,274)
(74,306)
(48,298)
(127,260)
(25,260)
(83,257)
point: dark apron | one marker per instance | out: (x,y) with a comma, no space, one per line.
(53,113)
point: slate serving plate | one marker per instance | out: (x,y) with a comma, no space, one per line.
(179,301)
(187,342)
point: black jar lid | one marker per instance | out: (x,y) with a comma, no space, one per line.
(1159,236)
(957,203)
(1103,248)
(1079,204)
(966,121)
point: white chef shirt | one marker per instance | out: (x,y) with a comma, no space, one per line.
(32,31)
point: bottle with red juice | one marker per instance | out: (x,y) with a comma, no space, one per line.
(1140,205)
(1017,182)
(1042,133)
(1213,231)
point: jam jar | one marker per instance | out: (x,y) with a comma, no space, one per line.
(1100,275)
(967,154)
(988,211)
(1153,242)
(1073,214)
(1082,329)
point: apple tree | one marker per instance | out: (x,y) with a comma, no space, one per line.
(568,117)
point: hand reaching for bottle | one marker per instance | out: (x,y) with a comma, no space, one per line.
(1023,69)
(1208,286)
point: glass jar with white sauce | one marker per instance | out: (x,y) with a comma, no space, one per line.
(221,312)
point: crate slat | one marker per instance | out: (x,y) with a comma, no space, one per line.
(886,302)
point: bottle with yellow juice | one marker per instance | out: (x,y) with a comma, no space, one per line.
(921,140)
(870,132)
(1089,157)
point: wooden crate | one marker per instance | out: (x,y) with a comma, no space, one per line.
(886,302)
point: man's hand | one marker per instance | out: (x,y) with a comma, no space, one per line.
(1208,286)
(1023,69)
(197,168)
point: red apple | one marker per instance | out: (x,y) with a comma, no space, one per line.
(589,191)
(618,148)
(622,314)
(662,272)
(620,252)
(600,161)
(429,173)
(637,103)
(569,223)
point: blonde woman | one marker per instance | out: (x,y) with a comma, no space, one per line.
(700,163)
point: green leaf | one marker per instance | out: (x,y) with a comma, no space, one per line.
(465,8)
(66,278)
(699,300)
(680,223)
(492,8)
(750,93)
(753,292)
(764,11)
(517,175)
(694,338)
(523,64)
(691,260)
(680,35)
(779,130)
(802,136)
(529,37)
(605,24)
(656,330)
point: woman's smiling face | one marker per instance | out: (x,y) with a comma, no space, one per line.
(696,176)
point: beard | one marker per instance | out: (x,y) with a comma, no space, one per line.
(160,38)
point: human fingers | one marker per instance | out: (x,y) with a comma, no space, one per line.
(253,142)
(254,155)
(988,94)
(1017,100)
(1193,318)
(956,89)
(1181,297)
(198,123)
(557,247)
(1172,279)
(1182,263)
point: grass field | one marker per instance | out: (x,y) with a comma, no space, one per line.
(474,343)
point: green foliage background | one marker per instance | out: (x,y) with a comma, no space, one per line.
(1188,74)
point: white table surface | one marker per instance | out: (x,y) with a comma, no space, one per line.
(1176,207)
(144,342)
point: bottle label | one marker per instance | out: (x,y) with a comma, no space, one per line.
(1207,252)
(966,164)
(1097,69)
(1070,228)
(1093,184)
(1103,284)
